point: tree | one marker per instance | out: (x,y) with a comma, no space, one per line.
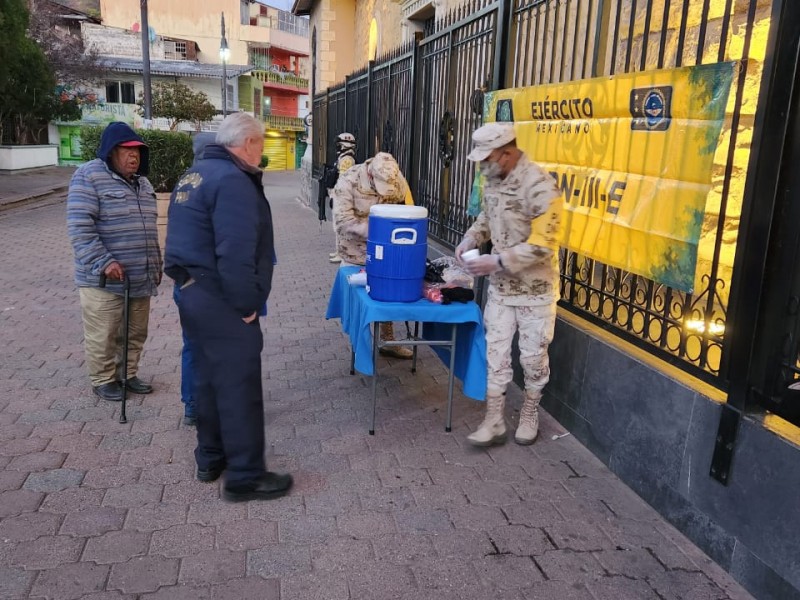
(27,83)
(178,102)
(74,67)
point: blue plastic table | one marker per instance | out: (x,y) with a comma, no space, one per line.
(445,326)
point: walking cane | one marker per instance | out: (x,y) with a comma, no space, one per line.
(126,289)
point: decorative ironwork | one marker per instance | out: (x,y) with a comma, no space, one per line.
(446,135)
(476,101)
(387,145)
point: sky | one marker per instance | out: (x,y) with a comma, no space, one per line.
(282,4)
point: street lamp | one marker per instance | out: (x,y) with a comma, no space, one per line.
(224,54)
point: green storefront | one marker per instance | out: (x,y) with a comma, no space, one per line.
(69,151)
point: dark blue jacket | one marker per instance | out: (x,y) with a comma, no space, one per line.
(219,231)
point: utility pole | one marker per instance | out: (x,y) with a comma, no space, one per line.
(148,101)
(224,53)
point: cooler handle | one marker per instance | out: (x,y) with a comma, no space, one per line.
(410,230)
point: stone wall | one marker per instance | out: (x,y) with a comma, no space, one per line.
(306,180)
(388,17)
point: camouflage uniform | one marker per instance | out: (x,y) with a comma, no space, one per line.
(354,195)
(377,181)
(344,162)
(521,216)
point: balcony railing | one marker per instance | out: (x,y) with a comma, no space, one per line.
(289,79)
(284,123)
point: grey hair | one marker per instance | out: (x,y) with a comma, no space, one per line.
(236,128)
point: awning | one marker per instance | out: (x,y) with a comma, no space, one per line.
(173,68)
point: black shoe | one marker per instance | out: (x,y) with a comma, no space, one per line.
(108,391)
(190,421)
(209,475)
(268,486)
(137,386)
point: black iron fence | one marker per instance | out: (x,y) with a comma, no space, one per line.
(422,102)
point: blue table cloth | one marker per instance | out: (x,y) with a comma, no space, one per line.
(358,311)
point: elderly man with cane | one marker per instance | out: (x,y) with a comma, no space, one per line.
(111,222)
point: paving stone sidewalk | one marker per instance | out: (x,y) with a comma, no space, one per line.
(93,509)
(20,186)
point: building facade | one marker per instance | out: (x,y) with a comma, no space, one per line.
(267,66)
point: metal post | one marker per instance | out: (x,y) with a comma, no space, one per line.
(501,44)
(372,139)
(223,54)
(148,100)
(224,89)
(743,353)
(418,154)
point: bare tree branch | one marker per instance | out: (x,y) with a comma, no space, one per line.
(61,43)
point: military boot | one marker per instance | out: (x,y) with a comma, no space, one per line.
(493,429)
(387,335)
(528,427)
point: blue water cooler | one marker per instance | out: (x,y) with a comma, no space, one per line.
(397,245)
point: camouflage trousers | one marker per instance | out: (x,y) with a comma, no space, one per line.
(535,325)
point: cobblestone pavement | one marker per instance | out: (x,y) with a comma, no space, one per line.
(19,186)
(93,509)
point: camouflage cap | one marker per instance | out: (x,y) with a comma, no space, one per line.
(385,174)
(490,137)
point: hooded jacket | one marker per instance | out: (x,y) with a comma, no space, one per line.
(112,220)
(118,133)
(219,231)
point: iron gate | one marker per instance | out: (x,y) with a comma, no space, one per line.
(392,105)
(459,59)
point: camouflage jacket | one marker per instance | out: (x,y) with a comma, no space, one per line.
(521,216)
(353,196)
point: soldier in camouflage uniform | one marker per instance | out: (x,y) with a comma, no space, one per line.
(521,215)
(377,181)
(346,158)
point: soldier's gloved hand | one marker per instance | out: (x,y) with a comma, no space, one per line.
(466,244)
(486,264)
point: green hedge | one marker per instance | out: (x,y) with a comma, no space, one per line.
(170,153)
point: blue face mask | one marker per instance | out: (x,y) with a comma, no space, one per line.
(491,169)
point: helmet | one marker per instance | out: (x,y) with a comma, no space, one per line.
(345,141)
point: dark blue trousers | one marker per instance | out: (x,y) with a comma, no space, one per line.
(227,384)
(187,366)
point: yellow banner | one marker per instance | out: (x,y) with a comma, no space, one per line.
(632,155)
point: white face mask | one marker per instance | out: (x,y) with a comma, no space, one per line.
(491,169)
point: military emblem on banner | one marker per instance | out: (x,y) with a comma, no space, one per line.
(505,111)
(651,108)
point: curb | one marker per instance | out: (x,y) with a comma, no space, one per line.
(23,199)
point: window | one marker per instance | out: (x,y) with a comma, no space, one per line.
(292,24)
(230,97)
(174,50)
(266,108)
(120,92)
